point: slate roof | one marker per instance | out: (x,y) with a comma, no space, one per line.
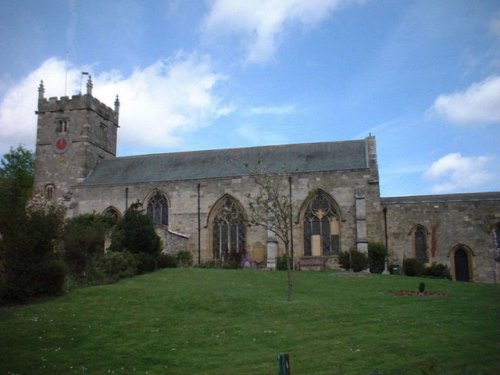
(442,198)
(307,157)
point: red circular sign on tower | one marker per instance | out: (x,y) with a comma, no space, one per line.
(61,144)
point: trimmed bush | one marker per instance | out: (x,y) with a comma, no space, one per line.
(184,259)
(376,255)
(281,263)
(412,267)
(145,263)
(354,259)
(437,270)
(117,265)
(164,260)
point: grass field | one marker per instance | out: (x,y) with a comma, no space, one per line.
(198,321)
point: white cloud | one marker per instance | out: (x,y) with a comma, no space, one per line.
(157,103)
(262,22)
(456,173)
(477,105)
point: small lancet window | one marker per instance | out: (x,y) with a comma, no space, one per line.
(49,192)
(421,244)
(62,125)
(158,209)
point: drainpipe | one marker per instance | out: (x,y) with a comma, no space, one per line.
(291,221)
(199,227)
(126,198)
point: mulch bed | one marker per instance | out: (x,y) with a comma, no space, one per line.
(419,294)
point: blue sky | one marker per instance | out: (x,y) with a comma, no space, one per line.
(422,76)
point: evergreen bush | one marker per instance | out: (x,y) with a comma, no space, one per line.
(165,260)
(281,262)
(412,267)
(437,270)
(117,265)
(145,263)
(377,253)
(184,258)
(354,259)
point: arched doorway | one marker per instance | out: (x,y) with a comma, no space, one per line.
(461,265)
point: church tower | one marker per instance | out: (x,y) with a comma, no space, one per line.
(73,135)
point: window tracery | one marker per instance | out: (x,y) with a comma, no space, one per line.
(321,227)
(158,209)
(228,231)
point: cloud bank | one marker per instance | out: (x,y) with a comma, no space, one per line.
(158,103)
(455,173)
(477,105)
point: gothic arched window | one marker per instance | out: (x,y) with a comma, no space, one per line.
(112,213)
(421,244)
(158,209)
(321,227)
(228,231)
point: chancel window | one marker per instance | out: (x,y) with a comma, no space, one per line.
(228,231)
(321,227)
(421,244)
(158,209)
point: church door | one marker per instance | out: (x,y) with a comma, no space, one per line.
(461,265)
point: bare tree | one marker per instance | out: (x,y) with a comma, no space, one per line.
(271,208)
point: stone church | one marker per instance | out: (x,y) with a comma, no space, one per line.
(199,201)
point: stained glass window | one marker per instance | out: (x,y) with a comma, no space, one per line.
(321,223)
(228,231)
(158,209)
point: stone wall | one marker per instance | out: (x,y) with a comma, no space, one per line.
(183,206)
(451,221)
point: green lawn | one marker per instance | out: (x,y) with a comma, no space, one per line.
(198,321)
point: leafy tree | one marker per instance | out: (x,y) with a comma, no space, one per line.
(32,264)
(271,209)
(16,181)
(84,238)
(135,233)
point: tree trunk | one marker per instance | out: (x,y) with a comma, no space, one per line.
(289,271)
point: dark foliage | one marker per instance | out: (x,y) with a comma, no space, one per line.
(145,263)
(437,270)
(114,266)
(32,266)
(354,259)
(184,259)
(376,255)
(164,260)
(84,238)
(135,233)
(412,267)
(281,263)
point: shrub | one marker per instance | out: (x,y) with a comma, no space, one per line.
(184,259)
(437,270)
(281,263)
(165,260)
(421,287)
(354,259)
(135,233)
(84,242)
(376,255)
(412,267)
(117,265)
(145,263)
